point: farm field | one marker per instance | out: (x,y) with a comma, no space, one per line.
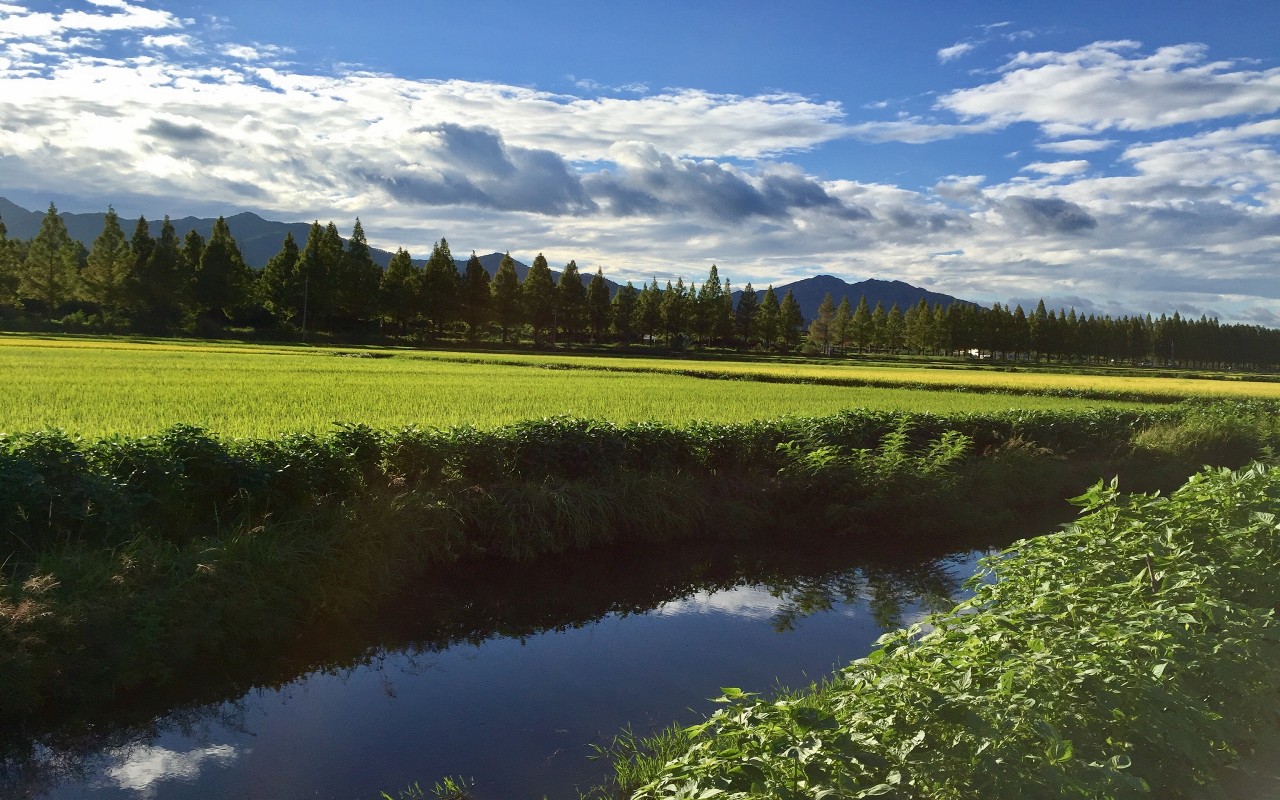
(105,387)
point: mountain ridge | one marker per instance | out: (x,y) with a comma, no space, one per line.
(259,239)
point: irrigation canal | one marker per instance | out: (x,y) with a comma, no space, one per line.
(504,673)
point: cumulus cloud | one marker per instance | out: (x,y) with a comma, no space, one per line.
(652,182)
(1047,214)
(1184,217)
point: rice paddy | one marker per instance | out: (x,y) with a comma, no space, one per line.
(104,387)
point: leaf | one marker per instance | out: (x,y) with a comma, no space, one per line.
(1158,669)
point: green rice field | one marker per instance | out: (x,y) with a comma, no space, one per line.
(103,387)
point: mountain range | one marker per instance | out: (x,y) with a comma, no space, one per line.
(259,239)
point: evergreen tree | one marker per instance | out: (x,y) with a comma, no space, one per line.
(842,325)
(790,321)
(506,295)
(281,282)
(223,279)
(879,330)
(165,288)
(942,336)
(918,331)
(538,296)
(360,279)
(722,324)
(49,271)
(623,312)
(821,332)
(649,310)
(474,295)
(675,312)
(105,280)
(745,316)
(314,275)
(440,286)
(400,289)
(10,267)
(141,244)
(860,326)
(895,330)
(598,306)
(767,319)
(571,301)
(192,252)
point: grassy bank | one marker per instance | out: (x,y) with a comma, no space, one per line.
(1125,657)
(130,559)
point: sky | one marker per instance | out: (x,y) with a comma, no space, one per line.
(1114,158)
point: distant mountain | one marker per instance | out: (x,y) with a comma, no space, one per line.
(259,239)
(810,291)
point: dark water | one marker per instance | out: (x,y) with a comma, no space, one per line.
(501,673)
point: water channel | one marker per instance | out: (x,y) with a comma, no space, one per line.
(502,673)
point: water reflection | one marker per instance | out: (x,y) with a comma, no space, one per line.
(480,665)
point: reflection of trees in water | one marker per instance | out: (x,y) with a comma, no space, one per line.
(472,603)
(887,589)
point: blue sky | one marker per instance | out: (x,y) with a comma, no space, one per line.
(1113,157)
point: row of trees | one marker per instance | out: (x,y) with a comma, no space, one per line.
(1043,335)
(332,285)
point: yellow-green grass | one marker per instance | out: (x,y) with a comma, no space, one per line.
(974,379)
(103,387)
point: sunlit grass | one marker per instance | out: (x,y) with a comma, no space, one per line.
(102,387)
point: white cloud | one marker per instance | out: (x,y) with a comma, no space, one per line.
(1107,86)
(1059,168)
(1076,146)
(955,51)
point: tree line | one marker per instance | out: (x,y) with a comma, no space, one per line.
(332,287)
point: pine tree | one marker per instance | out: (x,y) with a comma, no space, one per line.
(281,282)
(571,301)
(861,326)
(790,320)
(314,275)
(623,312)
(878,331)
(767,319)
(745,316)
(361,278)
(722,315)
(842,325)
(400,289)
(440,285)
(49,271)
(105,278)
(10,267)
(474,294)
(223,279)
(506,295)
(537,295)
(895,329)
(675,312)
(165,287)
(649,310)
(598,306)
(820,329)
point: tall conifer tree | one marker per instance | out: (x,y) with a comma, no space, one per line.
(598,306)
(49,273)
(506,295)
(105,280)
